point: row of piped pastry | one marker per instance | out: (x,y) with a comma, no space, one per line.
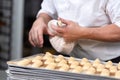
(71,64)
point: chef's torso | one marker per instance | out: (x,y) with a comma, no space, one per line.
(88,13)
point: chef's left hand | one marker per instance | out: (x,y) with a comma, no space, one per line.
(71,32)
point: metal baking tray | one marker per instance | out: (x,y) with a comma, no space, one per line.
(51,74)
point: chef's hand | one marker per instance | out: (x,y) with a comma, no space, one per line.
(36,33)
(39,28)
(71,32)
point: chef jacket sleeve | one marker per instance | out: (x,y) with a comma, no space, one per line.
(48,7)
(113,11)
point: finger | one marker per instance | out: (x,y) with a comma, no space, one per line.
(35,37)
(67,40)
(64,21)
(59,34)
(50,33)
(30,40)
(40,38)
(57,29)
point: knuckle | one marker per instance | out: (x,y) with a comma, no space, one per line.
(29,39)
(29,33)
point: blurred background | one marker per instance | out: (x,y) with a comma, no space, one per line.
(16,18)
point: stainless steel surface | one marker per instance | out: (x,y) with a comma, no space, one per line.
(55,74)
(3,75)
(26,72)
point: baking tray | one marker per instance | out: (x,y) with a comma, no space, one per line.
(45,73)
(48,73)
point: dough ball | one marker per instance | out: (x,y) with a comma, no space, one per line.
(113,69)
(48,61)
(37,64)
(38,57)
(74,64)
(100,67)
(117,74)
(84,61)
(71,59)
(91,71)
(34,60)
(51,66)
(105,72)
(87,66)
(118,65)
(96,62)
(61,63)
(46,57)
(65,67)
(59,58)
(48,54)
(70,62)
(77,69)
(24,62)
(54,64)
(108,64)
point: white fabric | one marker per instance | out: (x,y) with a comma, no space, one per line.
(58,42)
(88,13)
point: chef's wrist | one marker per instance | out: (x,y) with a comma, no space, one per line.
(87,33)
(44,17)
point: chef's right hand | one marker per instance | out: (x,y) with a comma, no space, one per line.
(36,33)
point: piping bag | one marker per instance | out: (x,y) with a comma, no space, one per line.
(58,42)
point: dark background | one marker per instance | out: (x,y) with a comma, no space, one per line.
(31,7)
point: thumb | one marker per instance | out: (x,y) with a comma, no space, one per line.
(64,21)
(50,33)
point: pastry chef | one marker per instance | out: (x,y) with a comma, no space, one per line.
(93,24)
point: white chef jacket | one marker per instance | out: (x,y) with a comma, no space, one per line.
(88,13)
